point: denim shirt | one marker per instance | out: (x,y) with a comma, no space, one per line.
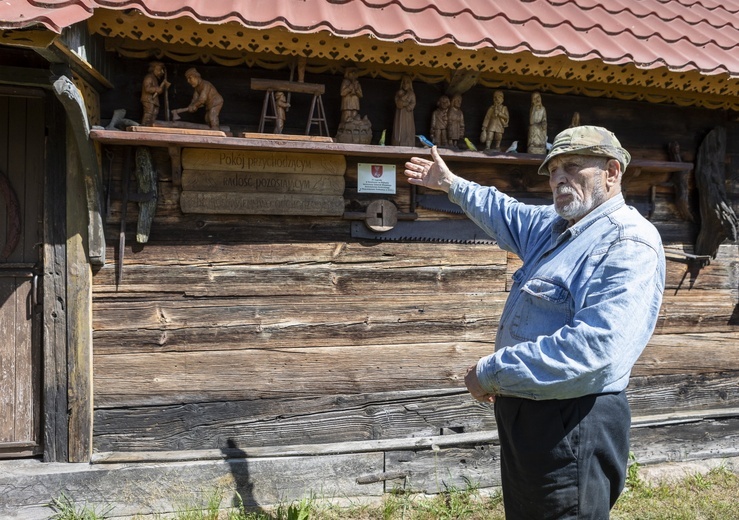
(583,305)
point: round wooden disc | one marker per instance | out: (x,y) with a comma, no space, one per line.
(382,215)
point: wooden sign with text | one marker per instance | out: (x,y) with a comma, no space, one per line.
(262,182)
(246,182)
(263,161)
(261,203)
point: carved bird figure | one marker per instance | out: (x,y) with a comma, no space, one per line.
(425,140)
(381,142)
(513,148)
(470,145)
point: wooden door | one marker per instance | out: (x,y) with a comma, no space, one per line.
(22,164)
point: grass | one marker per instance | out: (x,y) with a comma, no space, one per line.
(710,496)
(66,509)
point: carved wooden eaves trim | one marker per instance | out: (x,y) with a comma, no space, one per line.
(184,39)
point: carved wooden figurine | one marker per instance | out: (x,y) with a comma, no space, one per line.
(351,93)
(404,126)
(575,120)
(353,128)
(495,122)
(455,122)
(537,126)
(281,107)
(439,121)
(151,89)
(204,95)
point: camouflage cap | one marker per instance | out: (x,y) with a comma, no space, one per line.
(587,140)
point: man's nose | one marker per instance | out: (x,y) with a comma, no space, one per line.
(557,177)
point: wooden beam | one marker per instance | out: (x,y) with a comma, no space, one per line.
(74,105)
(55,293)
(365,446)
(22,76)
(79,311)
(80,66)
(432,442)
(241,145)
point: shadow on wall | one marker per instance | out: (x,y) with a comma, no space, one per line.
(236,460)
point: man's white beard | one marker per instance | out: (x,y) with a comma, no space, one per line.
(578,208)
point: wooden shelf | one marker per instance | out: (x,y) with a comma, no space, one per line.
(143,138)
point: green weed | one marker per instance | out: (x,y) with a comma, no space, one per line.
(65,509)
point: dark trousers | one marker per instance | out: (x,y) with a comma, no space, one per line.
(563,459)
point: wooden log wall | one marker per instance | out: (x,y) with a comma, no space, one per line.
(255,331)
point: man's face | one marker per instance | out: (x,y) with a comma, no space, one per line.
(159,71)
(193,80)
(578,184)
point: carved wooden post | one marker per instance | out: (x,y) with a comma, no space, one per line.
(146,179)
(718,220)
(74,106)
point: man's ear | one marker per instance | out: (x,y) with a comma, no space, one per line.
(613,172)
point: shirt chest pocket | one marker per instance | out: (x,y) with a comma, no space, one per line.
(543,307)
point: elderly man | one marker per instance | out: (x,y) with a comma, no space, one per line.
(581,310)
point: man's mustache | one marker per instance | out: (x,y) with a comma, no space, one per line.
(565,190)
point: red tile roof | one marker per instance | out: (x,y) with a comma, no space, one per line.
(682,35)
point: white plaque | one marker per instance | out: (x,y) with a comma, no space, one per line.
(375,178)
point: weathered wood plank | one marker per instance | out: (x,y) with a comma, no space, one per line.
(301,280)
(434,471)
(8,315)
(682,276)
(186,229)
(681,393)
(280,422)
(155,489)
(378,254)
(697,312)
(175,131)
(54,321)
(201,325)
(79,314)
(287,137)
(182,377)
(146,181)
(238,374)
(687,354)
(299,449)
(696,440)
(261,203)
(263,161)
(446,439)
(721,273)
(361,417)
(445,469)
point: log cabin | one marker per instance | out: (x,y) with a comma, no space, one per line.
(189,307)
